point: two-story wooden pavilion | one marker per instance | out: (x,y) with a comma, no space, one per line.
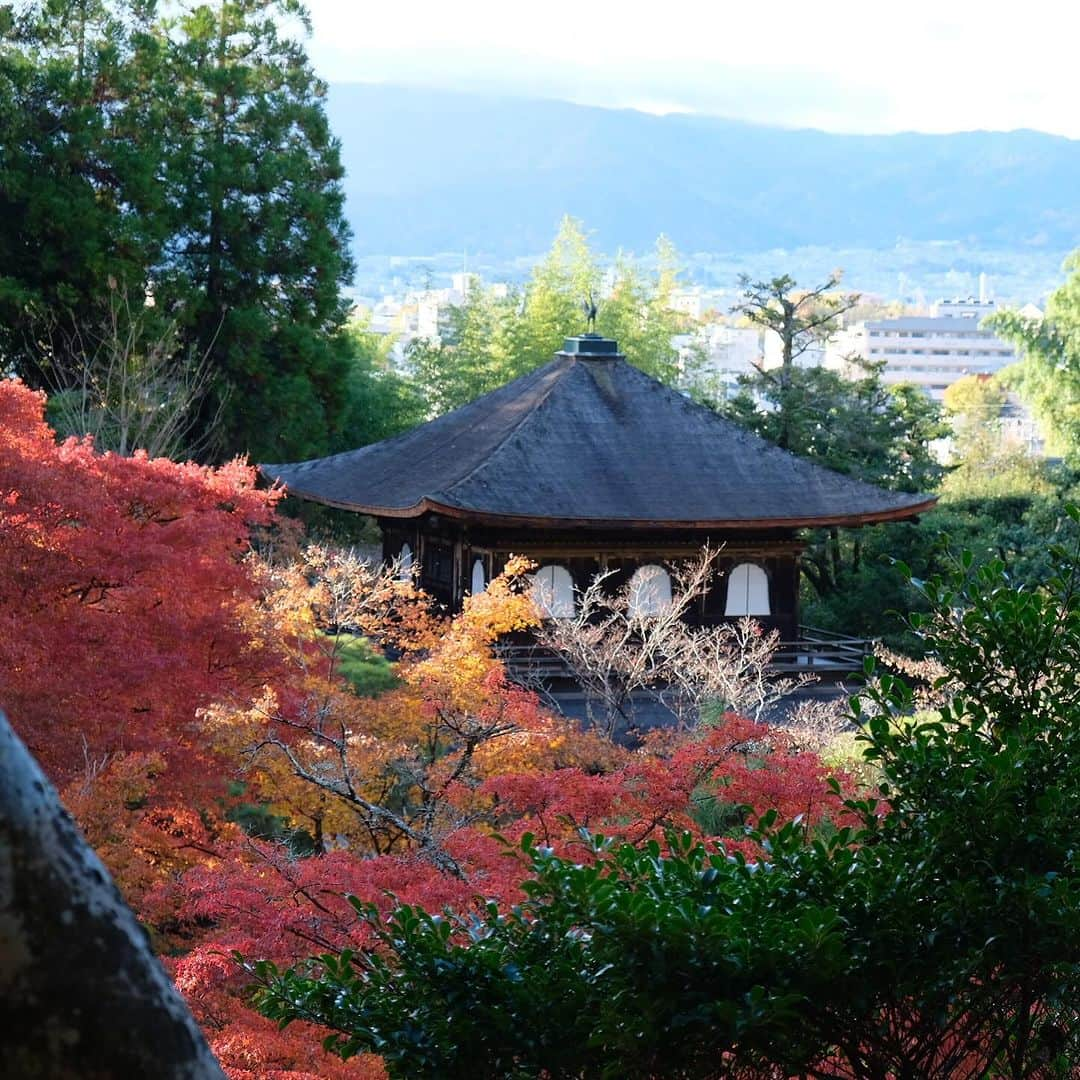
(585,465)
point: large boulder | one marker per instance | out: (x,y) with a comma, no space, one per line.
(81,993)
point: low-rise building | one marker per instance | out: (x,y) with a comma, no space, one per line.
(929,351)
(813,355)
(733,350)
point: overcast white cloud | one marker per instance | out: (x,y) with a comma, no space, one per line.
(849,65)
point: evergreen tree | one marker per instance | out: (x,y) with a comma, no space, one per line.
(799,319)
(639,315)
(862,428)
(856,425)
(382,402)
(80,151)
(183,156)
(260,241)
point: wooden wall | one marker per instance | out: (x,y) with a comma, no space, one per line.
(445,550)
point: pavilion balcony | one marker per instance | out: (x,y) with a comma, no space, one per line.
(817,652)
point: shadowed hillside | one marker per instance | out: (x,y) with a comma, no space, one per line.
(435,171)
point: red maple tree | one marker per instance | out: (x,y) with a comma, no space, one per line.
(125,597)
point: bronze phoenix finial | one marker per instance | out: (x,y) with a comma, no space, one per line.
(588,306)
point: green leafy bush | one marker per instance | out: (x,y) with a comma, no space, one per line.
(369,672)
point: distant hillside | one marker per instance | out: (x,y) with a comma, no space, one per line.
(431,171)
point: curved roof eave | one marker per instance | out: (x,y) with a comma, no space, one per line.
(434,505)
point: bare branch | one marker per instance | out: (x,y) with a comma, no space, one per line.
(616,649)
(127,382)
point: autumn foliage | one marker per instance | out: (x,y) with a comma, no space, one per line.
(125,595)
(177,686)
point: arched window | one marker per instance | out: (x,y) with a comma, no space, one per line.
(650,590)
(478,582)
(747,591)
(405,563)
(553,592)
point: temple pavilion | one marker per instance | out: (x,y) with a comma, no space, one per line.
(588,465)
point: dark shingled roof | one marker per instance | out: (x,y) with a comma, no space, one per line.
(590,440)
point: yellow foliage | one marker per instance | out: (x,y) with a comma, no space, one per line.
(322,756)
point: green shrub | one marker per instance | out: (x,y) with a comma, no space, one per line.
(369,672)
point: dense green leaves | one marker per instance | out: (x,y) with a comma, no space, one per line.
(1015,521)
(799,318)
(1047,376)
(850,422)
(260,242)
(610,967)
(857,425)
(80,142)
(381,401)
(182,154)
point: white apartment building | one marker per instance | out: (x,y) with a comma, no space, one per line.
(430,318)
(773,353)
(729,351)
(733,350)
(430,310)
(930,351)
(692,302)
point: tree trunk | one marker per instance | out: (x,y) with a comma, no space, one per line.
(81,994)
(834,552)
(787,339)
(215,241)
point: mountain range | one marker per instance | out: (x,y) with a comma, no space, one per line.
(432,171)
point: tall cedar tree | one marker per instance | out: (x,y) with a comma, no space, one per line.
(260,244)
(190,156)
(80,152)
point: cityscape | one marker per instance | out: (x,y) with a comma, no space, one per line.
(930,346)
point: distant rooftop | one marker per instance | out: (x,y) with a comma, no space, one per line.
(968,308)
(928,322)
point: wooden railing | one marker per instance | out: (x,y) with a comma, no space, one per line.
(527,663)
(821,651)
(817,652)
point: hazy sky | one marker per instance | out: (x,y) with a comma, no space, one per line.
(843,65)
